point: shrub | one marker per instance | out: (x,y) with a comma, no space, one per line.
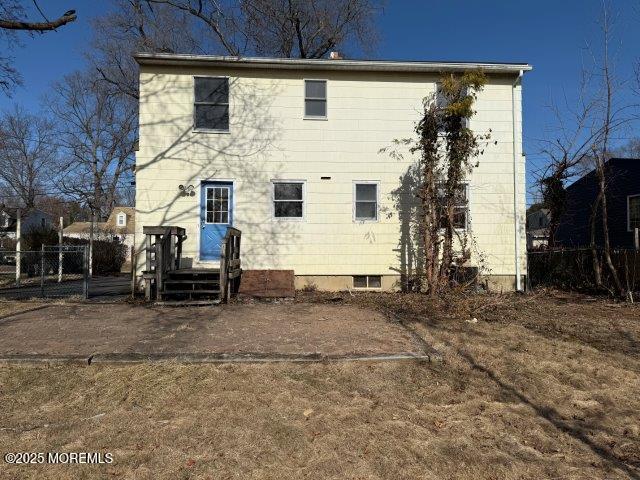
(108,255)
(34,238)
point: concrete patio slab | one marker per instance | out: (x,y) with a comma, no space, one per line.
(232,332)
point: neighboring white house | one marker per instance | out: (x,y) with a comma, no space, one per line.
(289,152)
(29,219)
(121,224)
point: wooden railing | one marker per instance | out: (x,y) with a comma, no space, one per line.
(164,252)
(230,270)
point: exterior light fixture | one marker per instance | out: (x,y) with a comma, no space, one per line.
(187,190)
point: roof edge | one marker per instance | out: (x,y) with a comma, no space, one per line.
(169,59)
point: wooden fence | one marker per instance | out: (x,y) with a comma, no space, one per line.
(572,269)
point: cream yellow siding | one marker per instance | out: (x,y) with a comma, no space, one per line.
(269,139)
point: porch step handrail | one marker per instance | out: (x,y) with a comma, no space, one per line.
(163,255)
(230,270)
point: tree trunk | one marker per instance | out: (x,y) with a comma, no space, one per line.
(597,267)
(605,228)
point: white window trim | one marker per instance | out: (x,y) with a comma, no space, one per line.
(121,216)
(304,99)
(353,204)
(467,218)
(353,278)
(629,197)
(212,187)
(273,200)
(193,106)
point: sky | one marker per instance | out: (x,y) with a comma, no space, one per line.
(552,36)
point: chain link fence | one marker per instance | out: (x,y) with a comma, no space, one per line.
(52,272)
(572,269)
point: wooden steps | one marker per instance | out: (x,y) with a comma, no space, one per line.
(192,284)
(166,282)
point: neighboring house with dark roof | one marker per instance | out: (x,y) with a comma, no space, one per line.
(121,224)
(29,220)
(623,206)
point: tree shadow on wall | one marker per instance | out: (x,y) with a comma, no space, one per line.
(410,250)
(247,153)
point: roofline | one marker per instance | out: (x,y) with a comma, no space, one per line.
(170,59)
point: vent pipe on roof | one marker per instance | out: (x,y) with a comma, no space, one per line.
(336,56)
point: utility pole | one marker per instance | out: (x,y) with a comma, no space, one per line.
(60,258)
(91,231)
(18,245)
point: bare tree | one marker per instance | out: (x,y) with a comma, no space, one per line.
(97,131)
(220,21)
(629,150)
(136,26)
(281,28)
(601,149)
(308,29)
(13,20)
(567,153)
(28,155)
(585,144)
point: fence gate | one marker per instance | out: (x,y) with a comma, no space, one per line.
(52,272)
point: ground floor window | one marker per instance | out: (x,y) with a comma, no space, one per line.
(367,281)
(366,201)
(288,199)
(460,208)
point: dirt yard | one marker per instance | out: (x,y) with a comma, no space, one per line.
(264,329)
(10,308)
(542,387)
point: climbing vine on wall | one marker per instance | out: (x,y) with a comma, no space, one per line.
(447,150)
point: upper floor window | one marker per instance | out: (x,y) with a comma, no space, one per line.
(211,103)
(122,219)
(315,99)
(366,201)
(443,102)
(633,212)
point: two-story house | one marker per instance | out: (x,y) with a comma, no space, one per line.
(289,152)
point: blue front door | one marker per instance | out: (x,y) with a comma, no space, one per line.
(216,215)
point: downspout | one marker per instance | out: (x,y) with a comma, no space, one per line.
(516,219)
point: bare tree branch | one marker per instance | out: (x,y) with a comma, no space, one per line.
(41,27)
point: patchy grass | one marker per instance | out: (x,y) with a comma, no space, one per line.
(11,307)
(540,387)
